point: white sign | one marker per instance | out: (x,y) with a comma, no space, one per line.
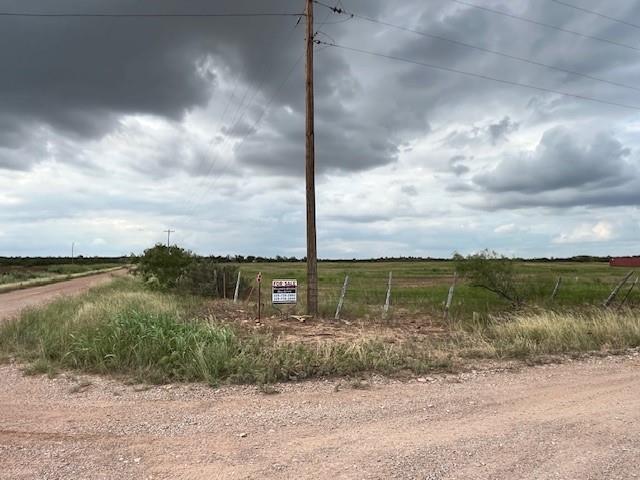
(284,292)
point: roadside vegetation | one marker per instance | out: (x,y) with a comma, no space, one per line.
(156,335)
(126,329)
(17,274)
(175,269)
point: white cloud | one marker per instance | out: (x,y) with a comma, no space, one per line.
(507,228)
(600,232)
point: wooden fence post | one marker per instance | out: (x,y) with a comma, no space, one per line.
(628,293)
(614,292)
(447,305)
(555,289)
(388,299)
(224,283)
(342,294)
(235,294)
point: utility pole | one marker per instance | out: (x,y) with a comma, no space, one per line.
(73,244)
(169,232)
(312,260)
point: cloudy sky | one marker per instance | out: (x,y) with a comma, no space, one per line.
(115,129)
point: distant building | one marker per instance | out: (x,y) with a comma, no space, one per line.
(624,262)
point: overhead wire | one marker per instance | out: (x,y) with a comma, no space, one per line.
(237,119)
(145,15)
(255,124)
(264,111)
(593,12)
(543,24)
(351,15)
(479,75)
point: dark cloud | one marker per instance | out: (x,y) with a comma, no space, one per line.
(492,133)
(562,160)
(566,169)
(457,167)
(499,131)
(410,190)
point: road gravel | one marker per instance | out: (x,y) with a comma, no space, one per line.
(576,420)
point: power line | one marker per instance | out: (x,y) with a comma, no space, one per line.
(547,25)
(475,47)
(479,75)
(253,127)
(144,15)
(236,119)
(593,12)
(239,116)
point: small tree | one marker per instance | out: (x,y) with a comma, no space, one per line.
(491,271)
(165,264)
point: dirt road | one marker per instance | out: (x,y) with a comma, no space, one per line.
(12,302)
(579,420)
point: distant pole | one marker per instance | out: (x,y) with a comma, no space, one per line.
(259,281)
(235,294)
(342,294)
(388,299)
(73,244)
(169,232)
(312,260)
(556,288)
(452,288)
(224,283)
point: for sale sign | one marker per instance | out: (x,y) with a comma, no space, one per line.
(284,292)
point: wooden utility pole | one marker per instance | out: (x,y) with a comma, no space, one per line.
(73,244)
(169,232)
(312,260)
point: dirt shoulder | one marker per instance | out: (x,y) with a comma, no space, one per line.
(575,420)
(12,302)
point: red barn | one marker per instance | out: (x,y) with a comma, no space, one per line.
(624,262)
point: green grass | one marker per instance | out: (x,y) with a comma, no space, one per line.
(123,329)
(421,287)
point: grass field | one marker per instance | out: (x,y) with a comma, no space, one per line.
(420,288)
(129,329)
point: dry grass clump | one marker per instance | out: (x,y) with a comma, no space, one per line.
(549,332)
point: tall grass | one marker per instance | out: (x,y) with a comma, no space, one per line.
(125,330)
(550,332)
(151,336)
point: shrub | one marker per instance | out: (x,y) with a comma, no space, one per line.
(491,271)
(210,279)
(164,265)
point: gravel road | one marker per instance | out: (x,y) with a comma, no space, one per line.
(12,302)
(577,420)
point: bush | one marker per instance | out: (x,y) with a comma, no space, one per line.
(210,279)
(491,271)
(164,265)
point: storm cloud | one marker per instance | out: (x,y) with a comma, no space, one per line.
(114,128)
